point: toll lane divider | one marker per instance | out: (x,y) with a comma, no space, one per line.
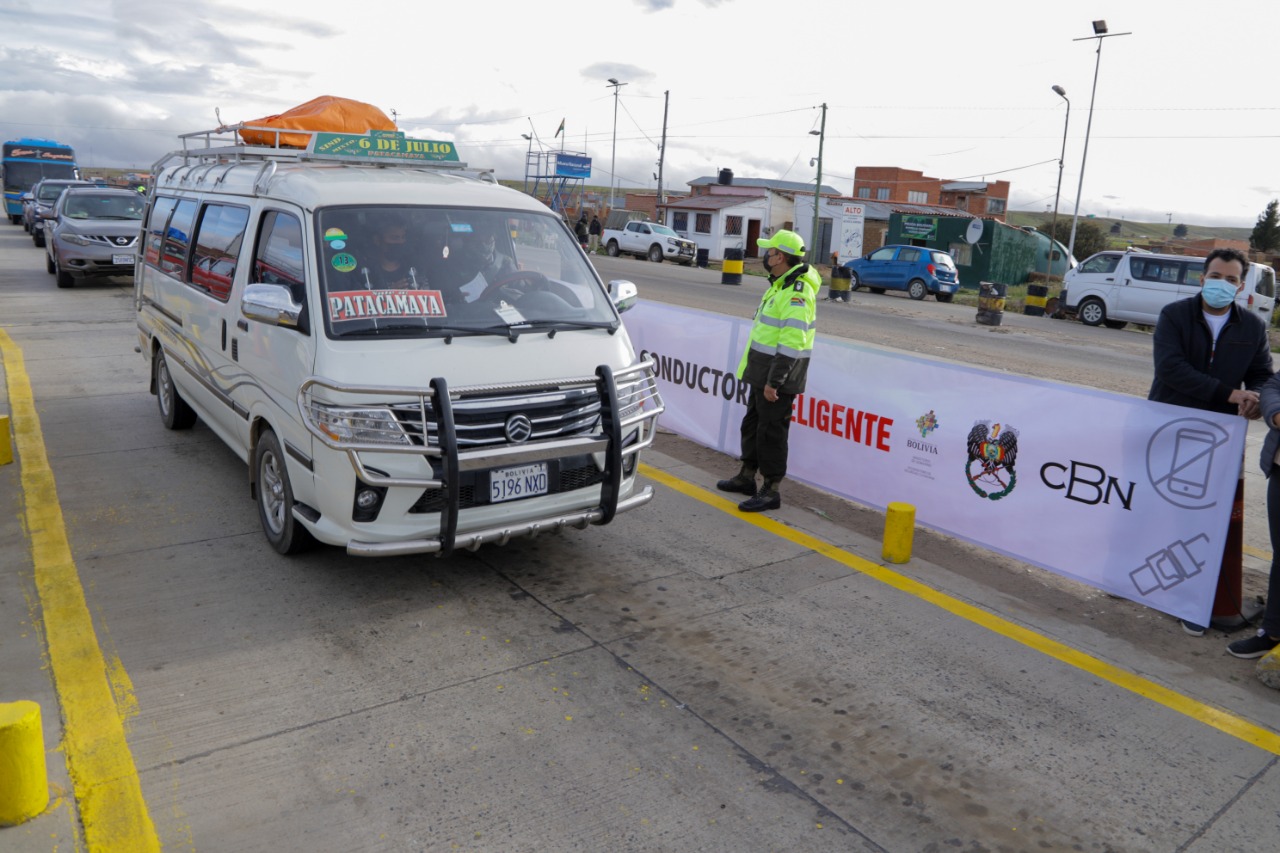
(107,789)
(1201,712)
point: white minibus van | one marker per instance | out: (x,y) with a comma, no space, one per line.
(1116,288)
(409,357)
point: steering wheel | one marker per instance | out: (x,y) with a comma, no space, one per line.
(510,284)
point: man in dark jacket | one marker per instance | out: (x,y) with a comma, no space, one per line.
(593,234)
(1209,354)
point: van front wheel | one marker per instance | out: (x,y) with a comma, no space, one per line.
(1092,312)
(275,498)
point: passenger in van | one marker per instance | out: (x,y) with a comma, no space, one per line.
(393,262)
(1209,354)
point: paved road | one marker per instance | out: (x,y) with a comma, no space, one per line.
(682,679)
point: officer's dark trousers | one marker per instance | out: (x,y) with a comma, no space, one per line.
(765,428)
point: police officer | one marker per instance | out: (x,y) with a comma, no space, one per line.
(775,365)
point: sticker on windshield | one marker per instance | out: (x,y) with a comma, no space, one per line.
(460,227)
(344,262)
(336,238)
(383,304)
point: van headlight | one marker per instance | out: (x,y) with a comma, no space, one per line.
(358,426)
(78,240)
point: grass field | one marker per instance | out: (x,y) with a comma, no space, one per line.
(1133,232)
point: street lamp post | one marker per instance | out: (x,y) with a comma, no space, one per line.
(613,157)
(1053,229)
(821,133)
(1099,33)
(528,155)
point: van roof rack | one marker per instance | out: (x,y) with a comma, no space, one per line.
(374,148)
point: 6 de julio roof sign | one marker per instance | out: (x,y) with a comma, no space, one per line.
(379,144)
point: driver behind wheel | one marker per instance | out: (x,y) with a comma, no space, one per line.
(480,254)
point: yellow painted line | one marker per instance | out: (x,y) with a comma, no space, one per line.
(108,792)
(1257,552)
(1237,727)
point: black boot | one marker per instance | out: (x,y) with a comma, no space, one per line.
(766,498)
(743,482)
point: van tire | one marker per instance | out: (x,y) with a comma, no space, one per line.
(48,264)
(612,249)
(275,497)
(1115,324)
(855,283)
(174,411)
(917,290)
(1092,312)
(655,253)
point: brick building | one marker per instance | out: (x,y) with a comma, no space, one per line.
(907,186)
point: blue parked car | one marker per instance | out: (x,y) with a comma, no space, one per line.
(918,270)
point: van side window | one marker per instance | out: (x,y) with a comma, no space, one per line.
(882,254)
(278,259)
(218,241)
(177,238)
(909,255)
(156,225)
(1101,264)
(1266,282)
(1166,272)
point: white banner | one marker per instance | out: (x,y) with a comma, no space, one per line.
(1126,495)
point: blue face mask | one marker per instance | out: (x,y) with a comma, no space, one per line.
(1218,292)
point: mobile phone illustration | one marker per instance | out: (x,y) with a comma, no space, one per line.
(1192,458)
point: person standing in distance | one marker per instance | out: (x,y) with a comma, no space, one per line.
(594,230)
(1209,354)
(775,365)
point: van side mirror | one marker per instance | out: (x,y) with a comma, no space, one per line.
(624,294)
(271,303)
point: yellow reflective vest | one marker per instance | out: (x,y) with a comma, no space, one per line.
(783,332)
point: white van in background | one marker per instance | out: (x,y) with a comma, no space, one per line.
(1115,288)
(409,357)
(1259,294)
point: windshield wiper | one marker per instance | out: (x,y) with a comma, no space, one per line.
(556,325)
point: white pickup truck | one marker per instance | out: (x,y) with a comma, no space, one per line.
(649,240)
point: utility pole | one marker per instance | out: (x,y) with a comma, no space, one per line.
(817,188)
(662,155)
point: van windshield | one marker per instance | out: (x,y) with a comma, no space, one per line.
(431,271)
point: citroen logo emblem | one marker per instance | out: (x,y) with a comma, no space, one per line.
(519,428)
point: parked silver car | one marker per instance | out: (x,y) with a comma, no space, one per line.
(93,232)
(44,196)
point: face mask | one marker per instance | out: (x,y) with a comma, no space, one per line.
(1218,292)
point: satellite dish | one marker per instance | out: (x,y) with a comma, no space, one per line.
(973,233)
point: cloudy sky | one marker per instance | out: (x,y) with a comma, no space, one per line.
(1186,118)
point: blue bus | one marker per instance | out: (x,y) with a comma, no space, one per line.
(26,161)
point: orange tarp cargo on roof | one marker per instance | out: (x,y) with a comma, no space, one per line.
(327,113)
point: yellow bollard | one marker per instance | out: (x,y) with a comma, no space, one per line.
(899,529)
(6,442)
(24,780)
